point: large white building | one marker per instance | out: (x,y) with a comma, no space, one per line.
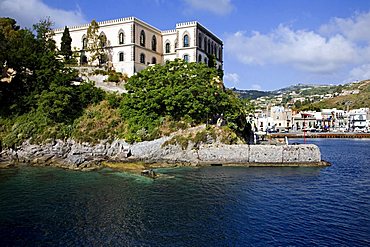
(132,44)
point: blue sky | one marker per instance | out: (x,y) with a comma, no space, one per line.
(268,44)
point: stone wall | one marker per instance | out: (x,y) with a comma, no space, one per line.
(84,156)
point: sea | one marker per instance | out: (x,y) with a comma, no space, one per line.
(209,206)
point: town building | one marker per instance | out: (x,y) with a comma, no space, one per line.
(304,121)
(132,45)
(358,119)
(282,118)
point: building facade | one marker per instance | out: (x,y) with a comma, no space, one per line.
(357,119)
(132,45)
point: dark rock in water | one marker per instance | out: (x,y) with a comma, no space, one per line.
(149,173)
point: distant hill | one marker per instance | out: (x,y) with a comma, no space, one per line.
(255,94)
(252,94)
(351,95)
(358,97)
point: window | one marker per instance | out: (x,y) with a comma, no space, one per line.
(142,58)
(186,40)
(154,43)
(168,48)
(200,41)
(209,46)
(83,59)
(186,58)
(102,40)
(121,38)
(84,43)
(220,53)
(121,57)
(199,58)
(142,38)
(154,60)
(205,60)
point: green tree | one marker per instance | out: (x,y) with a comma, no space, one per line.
(178,90)
(96,43)
(297,104)
(212,61)
(65,47)
(44,34)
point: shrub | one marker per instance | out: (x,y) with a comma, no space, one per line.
(177,90)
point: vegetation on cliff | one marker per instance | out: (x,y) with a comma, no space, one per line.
(178,91)
(38,100)
(37,97)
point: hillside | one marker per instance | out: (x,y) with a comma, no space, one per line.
(313,97)
(252,94)
(358,97)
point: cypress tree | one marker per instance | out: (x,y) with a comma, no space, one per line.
(65,47)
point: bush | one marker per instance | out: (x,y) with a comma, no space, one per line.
(175,91)
(99,122)
(114,78)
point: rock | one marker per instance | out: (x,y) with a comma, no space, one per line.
(73,155)
(224,154)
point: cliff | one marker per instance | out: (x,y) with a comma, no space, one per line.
(84,156)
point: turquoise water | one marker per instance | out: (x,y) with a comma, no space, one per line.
(214,206)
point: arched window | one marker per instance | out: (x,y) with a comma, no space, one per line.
(102,40)
(186,40)
(200,41)
(121,56)
(186,58)
(154,43)
(205,60)
(142,58)
(83,59)
(176,44)
(209,46)
(168,47)
(121,38)
(220,53)
(205,44)
(215,51)
(142,38)
(154,60)
(199,58)
(84,43)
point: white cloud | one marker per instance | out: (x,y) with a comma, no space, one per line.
(360,73)
(305,50)
(29,12)
(219,7)
(356,28)
(232,77)
(339,47)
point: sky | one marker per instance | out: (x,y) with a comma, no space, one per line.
(268,44)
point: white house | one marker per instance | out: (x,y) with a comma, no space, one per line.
(132,44)
(358,119)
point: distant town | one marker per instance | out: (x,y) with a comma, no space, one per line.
(343,108)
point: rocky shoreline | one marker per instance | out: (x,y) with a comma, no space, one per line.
(73,155)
